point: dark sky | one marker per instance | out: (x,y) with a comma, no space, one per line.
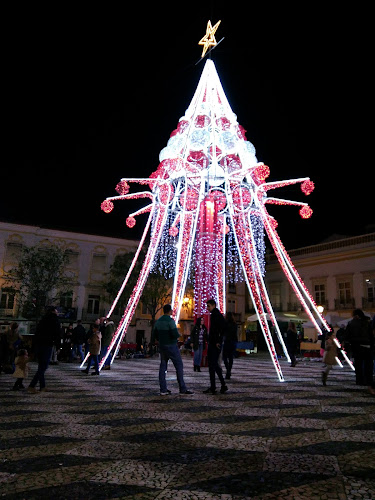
(93,95)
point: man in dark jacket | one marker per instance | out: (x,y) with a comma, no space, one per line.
(46,336)
(79,335)
(166,334)
(215,341)
(359,335)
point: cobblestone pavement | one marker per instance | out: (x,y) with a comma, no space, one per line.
(114,436)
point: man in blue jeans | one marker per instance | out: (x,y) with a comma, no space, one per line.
(166,334)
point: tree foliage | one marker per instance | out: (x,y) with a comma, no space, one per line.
(156,293)
(39,279)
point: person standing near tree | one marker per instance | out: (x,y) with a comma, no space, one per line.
(79,334)
(198,339)
(166,334)
(46,336)
(215,341)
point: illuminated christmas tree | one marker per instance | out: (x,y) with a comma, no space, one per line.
(207,210)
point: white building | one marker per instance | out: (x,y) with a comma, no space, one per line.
(90,257)
(340,275)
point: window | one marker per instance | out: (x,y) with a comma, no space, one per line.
(7,300)
(275,296)
(66,300)
(72,259)
(232,288)
(320,293)
(93,304)
(345,294)
(370,292)
(98,262)
(13,252)
(231,305)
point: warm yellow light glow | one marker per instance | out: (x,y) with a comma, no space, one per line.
(209,39)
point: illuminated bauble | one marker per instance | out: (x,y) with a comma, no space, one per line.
(189,199)
(242,197)
(182,126)
(130,222)
(227,142)
(173,231)
(202,121)
(230,163)
(262,172)
(107,206)
(241,132)
(176,143)
(273,222)
(223,123)
(307,187)
(198,159)
(305,212)
(199,139)
(122,188)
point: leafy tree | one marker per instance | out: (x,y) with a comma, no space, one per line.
(39,278)
(156,293)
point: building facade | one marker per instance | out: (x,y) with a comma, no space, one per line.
(340,275)
(89,259)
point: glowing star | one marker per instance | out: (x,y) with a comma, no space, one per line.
(209,39)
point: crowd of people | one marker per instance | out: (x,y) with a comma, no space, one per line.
(52,344)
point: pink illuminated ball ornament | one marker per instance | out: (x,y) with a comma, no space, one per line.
(107,206)
(307,187)
(122,188)
(173,231)
(130,222)
(305,212)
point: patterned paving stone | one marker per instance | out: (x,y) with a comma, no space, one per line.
(114,437)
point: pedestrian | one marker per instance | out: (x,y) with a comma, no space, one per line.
(107,335)
(198,341)
(94,345)
(67,344)
(22,370)
(14,343)
(46,336)
(359,334)
(215,341)
(166,334)
(230,343)
(329,356)
(79,334)
(291,342)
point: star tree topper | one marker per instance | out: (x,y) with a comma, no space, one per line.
(209,39)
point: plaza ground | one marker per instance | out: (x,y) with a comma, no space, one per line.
(114,437)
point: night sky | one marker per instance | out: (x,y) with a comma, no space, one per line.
(93,94)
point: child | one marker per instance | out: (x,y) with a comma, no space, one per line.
(329,357)
(95,344)
(21,370)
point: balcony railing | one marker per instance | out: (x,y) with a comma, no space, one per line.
(344,304)
(368,303)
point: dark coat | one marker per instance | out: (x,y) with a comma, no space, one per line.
(358,332)
(217,327)
(79,335)
(231,332)
(48,331)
